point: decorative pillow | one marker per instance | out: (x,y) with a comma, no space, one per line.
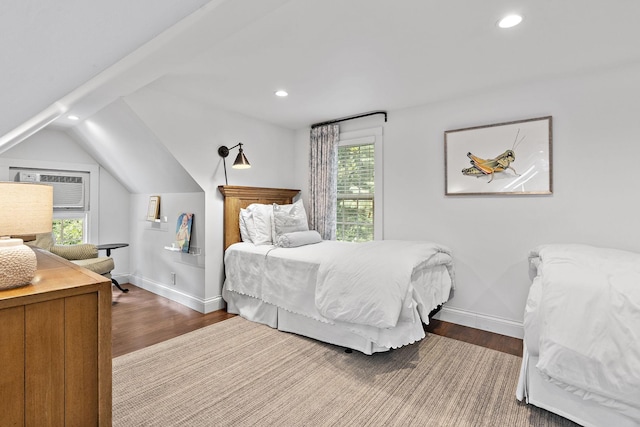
(299,238)
(289,218)
(244,219)
(261,215)
(274,236)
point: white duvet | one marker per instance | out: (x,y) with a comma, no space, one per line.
(367,283)
(585,304)
(378,285)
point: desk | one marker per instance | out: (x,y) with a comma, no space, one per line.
(109,247)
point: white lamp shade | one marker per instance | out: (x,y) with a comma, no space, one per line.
(25,208)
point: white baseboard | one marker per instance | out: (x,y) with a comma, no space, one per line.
(121,278)
(202,305)
(484,322)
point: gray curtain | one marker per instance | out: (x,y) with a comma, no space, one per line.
(323,176)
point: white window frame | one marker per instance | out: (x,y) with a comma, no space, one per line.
(84,215)
(368,136)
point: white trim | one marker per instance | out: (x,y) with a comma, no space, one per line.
(121,278)
(214,304)
(346,140)
(201,305)
(368,136)
(31,126)
(81,215)
(484,322)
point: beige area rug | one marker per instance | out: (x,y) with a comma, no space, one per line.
(240,373)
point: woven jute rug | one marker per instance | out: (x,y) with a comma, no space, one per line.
(240,373)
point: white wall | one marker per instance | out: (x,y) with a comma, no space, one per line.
(595,152)
(114,223)
(55,149)
(152,265)
(192,133)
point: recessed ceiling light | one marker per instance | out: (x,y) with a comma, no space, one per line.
(509,21)
(73,117)
(281,93)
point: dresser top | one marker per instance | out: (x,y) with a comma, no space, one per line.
(54,274)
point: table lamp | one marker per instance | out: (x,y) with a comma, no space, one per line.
(25,208)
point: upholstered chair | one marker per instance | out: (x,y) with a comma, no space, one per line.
(84,254)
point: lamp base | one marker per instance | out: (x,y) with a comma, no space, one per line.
(17,264)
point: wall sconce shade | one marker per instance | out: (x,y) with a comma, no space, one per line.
(25,209)
(241,161)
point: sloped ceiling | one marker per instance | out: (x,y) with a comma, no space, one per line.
(50,48)
(142,167)
(335,58)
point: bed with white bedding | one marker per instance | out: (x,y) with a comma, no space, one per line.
(370,297)
(582,335)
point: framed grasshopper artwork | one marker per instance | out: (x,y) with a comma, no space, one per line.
(499,159)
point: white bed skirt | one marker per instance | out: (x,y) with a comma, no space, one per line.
(259,311)
(539,392)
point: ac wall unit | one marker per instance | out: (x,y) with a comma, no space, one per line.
(68,190)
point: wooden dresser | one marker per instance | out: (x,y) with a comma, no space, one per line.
(55,348)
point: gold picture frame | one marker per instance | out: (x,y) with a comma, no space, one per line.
(509,158)
(153,211)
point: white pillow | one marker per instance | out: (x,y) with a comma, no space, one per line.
(274,236)
(299,238)
(244,219)
(261,215)
(289,219)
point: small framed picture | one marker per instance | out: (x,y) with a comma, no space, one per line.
(499,159)
(153,212)
(183,231)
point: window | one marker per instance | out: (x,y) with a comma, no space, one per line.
(356,188)
(69,228)
(73,207)
(359,186)
(71,191)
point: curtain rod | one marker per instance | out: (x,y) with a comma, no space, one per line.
(330,122)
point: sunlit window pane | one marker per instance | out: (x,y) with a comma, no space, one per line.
(355,193)
(68,231)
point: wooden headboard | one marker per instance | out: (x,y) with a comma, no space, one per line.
(236,198)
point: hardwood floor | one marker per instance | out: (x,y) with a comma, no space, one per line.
(486,339)
(142,318)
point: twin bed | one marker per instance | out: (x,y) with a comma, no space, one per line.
(582,335)
(311,289)
(582,320)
